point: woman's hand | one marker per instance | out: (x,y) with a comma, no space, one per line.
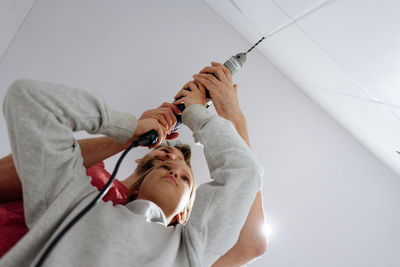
(165,115)
(218,80)
(191,93)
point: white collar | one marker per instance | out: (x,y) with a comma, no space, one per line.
(151,211)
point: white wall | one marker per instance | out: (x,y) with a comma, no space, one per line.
(328,200)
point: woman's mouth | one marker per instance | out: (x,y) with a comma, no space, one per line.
(169,177)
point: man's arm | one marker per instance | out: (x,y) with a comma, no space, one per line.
(252,241)
(41,118)
(10,185)
(93,150)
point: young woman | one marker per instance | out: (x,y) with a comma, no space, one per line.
(12,220)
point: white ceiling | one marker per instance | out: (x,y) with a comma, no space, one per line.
(345,56)
(12,15)
(324,196)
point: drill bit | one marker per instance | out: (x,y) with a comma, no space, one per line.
(293,20)
(254,45)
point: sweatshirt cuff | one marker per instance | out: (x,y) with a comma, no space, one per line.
(195,117)
(120,126)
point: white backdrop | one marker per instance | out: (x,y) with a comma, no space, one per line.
(328,200)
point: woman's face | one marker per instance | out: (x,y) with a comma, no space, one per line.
(168,185)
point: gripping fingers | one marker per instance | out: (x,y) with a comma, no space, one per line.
(186,89)
(218,72)
(201,78)
(161,119)
(221,74)
(182,93)
(169,113)
(193,86)
(209,77)
(172,136)
(174,108)
(227,72)
(161,136)
(200,87)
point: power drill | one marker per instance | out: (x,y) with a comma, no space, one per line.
(234,64)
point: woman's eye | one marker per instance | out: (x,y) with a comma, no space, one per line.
(165,167)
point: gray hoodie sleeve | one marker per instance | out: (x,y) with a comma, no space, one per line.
(41,118)
(221,206)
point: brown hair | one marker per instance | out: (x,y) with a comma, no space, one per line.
(185,149)
(146,165)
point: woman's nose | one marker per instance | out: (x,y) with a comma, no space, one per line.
(173,173)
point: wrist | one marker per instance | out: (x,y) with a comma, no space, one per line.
(98,149)
(195,116)
(236,117)
(191,103)
(239,122)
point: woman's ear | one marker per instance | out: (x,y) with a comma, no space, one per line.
(138,161)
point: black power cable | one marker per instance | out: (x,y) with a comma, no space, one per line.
(147,139)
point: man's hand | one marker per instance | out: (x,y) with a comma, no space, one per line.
(165,115)
(146,125)
(191,93)
(161,119)
(218,80)
(225,99)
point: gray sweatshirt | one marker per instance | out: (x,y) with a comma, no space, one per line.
(41,118)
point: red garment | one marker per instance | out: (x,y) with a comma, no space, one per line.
(12,220)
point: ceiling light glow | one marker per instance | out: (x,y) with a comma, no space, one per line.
(267,231)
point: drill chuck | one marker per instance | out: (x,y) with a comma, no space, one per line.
(235,63)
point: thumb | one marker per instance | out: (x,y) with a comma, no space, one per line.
(172,136)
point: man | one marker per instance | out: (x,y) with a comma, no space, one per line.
(223,111)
